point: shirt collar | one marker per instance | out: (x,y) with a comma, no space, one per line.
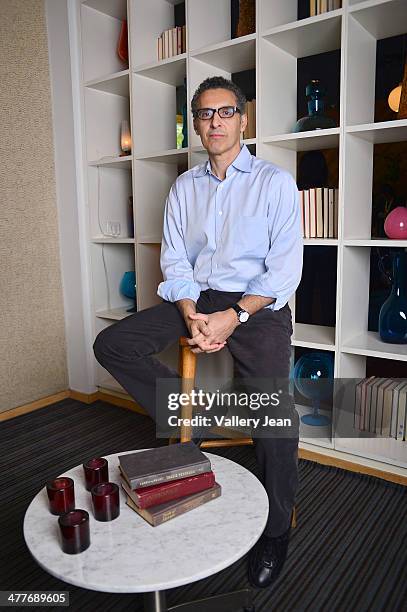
(242,162)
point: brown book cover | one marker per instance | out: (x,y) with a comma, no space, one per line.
(156,515)
(162,464)
(184,39)
(164,492)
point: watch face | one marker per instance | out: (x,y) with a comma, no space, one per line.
(243,317)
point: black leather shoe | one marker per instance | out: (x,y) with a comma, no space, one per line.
(267,558)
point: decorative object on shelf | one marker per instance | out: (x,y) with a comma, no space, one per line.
(402,110)
(128,288)
(246,18)
(180,135)
(395,224)
(313,377)
(123,45)
(316,119)
(125,138)
(393,313)
(394,97)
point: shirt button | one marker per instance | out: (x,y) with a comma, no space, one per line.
(220,212)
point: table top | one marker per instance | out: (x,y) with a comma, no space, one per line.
(128,555)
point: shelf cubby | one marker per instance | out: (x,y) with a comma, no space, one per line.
(109,263)
(107,110)
(149,275)
(154,111)
(147,22)
(109,191)
(101,24)
(233,56)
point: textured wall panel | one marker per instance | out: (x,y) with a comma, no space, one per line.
(32,333)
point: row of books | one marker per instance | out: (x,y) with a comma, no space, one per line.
(322,6)
(319,212)
(380,406)
(165,482)
(172,42)
(250,131)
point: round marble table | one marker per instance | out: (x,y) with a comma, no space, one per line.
(128,555)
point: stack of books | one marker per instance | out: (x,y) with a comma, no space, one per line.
(250,131)
(322,6)
(171,42)
(380,406)
(162,483)
(319,212)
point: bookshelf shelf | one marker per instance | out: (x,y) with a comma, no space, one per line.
(369,344)
(314,336)
(380,132)
(171,70)
(310,36)
(117,9)
(118,162)
(117,83)
(171,155)
(306,141)
(372,242)
(321,241)
(112,240)
(381,18)
(115,314)
(150,93)
(233,56)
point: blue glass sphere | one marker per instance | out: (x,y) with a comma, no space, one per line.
(128,287)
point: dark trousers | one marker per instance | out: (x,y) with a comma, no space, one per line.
(260,348)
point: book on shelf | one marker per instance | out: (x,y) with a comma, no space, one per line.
(250,131)
(316,7)
(171,42)
(319,212)
(158,494)
(381,407)
(162,513)
(163,464)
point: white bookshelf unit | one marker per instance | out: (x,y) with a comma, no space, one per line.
(145,93)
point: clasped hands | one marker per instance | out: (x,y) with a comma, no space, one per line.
(209,332)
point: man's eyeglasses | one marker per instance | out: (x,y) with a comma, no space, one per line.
(224,112)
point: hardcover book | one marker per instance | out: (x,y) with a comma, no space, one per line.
(162,464)
(158,494)
(156,515)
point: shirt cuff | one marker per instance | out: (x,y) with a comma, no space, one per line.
(178,289)
(276,305)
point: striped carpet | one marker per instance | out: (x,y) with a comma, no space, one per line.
(348,552)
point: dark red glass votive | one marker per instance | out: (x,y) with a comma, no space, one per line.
(96,472)
(105,499)
(61,495)
(75,533)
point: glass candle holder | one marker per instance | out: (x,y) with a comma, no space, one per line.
(61,495)
(105,500)
(75,533)
(96,471)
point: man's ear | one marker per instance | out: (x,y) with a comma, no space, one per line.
(243,122)
(195,127)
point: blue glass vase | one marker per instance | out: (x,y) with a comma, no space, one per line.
(316,119)
(393,313)
(128,288)
(313,377)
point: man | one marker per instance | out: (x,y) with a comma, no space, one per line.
(231,258)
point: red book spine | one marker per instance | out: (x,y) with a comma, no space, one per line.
(158,494)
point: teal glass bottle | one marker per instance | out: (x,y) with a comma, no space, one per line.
(316,119)
(393,313)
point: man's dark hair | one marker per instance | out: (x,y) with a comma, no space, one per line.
(218,82)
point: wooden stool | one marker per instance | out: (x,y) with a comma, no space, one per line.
(187,371)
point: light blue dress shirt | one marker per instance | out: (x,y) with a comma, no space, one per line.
(240,234)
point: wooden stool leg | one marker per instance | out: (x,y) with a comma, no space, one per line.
(294,518)
(187,373)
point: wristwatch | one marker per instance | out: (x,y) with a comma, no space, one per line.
(242,314)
